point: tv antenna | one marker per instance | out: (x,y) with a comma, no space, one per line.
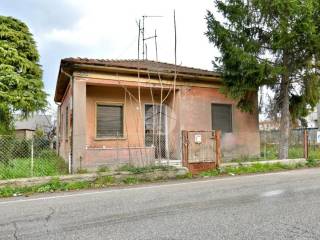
(142,31)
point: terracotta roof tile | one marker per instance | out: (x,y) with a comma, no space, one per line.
(142,65)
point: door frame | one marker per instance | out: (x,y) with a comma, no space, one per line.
(166,124)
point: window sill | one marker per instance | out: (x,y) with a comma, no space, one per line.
(110,138)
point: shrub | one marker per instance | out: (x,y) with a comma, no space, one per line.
(146,169)
(105,180)
(103,169)
(130,180)
(82,171)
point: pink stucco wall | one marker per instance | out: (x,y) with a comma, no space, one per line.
(196,115)
(188,109)
(133,138)
(64,140)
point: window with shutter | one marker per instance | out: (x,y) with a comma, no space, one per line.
(221,117)
(109,121)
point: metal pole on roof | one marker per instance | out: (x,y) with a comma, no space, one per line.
(155,42)
(139,26)
(144,45)
(143,39)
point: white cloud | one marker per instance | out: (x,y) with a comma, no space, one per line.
(109,30)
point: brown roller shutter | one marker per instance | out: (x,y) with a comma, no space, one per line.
(109,121)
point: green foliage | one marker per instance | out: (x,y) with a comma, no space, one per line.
(254,168)
(82,171)
(130,180)
(210,173)
(39,133)
(313,162)
(263,41)
(271,43)
(188,175)
(103,169)
(47,165)
(139,170)
(105,180)
(21,87)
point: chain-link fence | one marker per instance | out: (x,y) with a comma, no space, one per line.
(313,143)
(269,141)
(29,157)
(137,149)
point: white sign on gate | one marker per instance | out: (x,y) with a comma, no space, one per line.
(318,137)
(197,139)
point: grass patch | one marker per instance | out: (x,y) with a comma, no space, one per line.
(258,168)
(82,171)
(131,180)
(188,175)
(147,169)
(105,181)
(270,152)
(47,164)
(102,181)
(54,185)
(103,169)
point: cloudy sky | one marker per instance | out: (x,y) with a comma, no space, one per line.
(107,29)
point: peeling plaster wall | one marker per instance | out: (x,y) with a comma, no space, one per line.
(196,115)
(133,125)
(64,140)
(188,109)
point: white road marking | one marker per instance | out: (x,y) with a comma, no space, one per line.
(272,193)
(139,188)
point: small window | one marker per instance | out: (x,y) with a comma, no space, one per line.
(221,117)
(109,121)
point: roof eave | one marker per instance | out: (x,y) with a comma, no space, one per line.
(70,67)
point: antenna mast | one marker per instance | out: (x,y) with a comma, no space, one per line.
(144,38)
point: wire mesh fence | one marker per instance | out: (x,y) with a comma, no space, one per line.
(270,141)
(140,149)
(29,157)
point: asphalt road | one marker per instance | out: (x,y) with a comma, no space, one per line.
(272,206)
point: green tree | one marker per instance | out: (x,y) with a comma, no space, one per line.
(21,86)
(274,43)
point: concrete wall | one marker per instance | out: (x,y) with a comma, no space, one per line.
(24,133)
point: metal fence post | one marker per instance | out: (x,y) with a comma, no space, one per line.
(265,146)
(305,144)
(32,160)
(218,148)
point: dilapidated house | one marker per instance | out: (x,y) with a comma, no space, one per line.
(114,112)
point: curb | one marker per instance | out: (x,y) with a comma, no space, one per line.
(148,176)
(283,161)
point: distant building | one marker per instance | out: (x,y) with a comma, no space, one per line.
(25,128)
(313,118)
(268,125)
(312,121)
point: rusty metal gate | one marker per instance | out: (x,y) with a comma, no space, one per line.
(201,150)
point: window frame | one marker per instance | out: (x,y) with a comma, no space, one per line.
(115,104)
(231,115)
